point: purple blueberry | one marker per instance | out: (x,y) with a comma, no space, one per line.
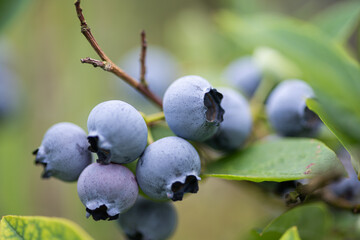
(237,124)
(169,168)
(117,132)
(244,74)
(107,190)
(149,220)
(287,111)
(192,108)
(63,152)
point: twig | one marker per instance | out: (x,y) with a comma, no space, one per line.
(107,64)
(142,58)
(94,62)
(319,182)
(339,202)
(302,192)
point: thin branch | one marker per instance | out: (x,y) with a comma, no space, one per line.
(142,58)
(94,62)
(302,192)
(109,65)
(337,202)
(85,30)
(318,183)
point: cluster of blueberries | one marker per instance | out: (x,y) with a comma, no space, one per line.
(169,167)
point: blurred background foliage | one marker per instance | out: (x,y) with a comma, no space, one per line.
(42,44)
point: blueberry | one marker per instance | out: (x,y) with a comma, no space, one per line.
(63,152)
(192,108)
(9,91)
(117,132)
(287,111)
(107,190)
(244,74)
(149,220)
(169,168)
(349,187)
(237,124)
(161,68)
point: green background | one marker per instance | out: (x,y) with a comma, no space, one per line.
(44,45)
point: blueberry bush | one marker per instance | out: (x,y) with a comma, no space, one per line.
(251,132)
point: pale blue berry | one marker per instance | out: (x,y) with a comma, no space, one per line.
(117,132)
(9,91)
(107,190)
(349,187)
(161,68)
(237,124)
(149,220)
(63,152)
(192,108)
(169,168)
(287,111)
(244,74)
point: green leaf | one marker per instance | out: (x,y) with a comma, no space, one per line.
(347,142)
(325,65)
(291,234)
(313,221)
(346,225)
(20,227)
(339,20)
(281,160)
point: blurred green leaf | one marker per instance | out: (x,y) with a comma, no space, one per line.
(313,221)
(19,227)
(339,20)
(291,234)
(346,225)
(8,9)
(325,65)
(351,147)
(280,160)
(254,235)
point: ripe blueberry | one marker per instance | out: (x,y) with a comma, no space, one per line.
(169,168)
(107,190)
(349,187)
(237,124)
(149,220)
(192,108)
(8,91)
(63,152)
(161,69)
(117,132)
(287,111)
(244,74)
